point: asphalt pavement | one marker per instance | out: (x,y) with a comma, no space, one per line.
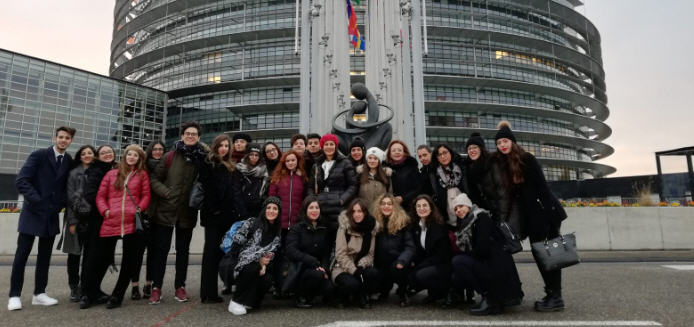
(596,294)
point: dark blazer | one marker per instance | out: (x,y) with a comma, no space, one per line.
(438,246)
(43,184)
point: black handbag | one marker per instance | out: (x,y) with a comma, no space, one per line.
(557,253)
(197,195)
(511,242)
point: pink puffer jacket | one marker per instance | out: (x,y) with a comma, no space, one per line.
(121,217)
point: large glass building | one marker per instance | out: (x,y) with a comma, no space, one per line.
(37,96)
(231,65)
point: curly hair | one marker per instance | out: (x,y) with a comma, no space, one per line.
(398,219)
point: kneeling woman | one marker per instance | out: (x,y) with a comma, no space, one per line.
(432,268)
(353,273)
(486,267)
(123,192)
(308,245)
(254,245)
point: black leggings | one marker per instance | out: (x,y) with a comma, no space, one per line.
(435,279)
(552,278)
(100,259)
(250,286)
(350,285)
(313,283)
(390,275)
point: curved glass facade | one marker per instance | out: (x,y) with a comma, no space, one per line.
(231,65)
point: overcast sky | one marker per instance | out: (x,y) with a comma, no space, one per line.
(647,49)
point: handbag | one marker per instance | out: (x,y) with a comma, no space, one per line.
(197,195)
(292,277)
(139,224)
(511,242)
(557,253)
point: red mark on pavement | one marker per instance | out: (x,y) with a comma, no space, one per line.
(175,314)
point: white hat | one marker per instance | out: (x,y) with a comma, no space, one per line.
(374,151)
(462,199)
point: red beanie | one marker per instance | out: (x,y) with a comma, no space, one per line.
(328,137)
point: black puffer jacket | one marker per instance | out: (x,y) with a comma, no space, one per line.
(398,247)
(223,201)
(438,246)
(335,191)
(95,173)
(404,178)
(309,245)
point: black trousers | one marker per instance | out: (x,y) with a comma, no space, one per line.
(161,238)
(146,245)
(552,279)
(280,262)
(313,283)
(250,286)
(24,244)
(100,258)
(390,274)
(468,273)
(349,285)
(435,279)
(211,255)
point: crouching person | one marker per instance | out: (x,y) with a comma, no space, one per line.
(484,266)
(254,245)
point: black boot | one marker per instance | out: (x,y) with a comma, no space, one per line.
(135,293)
(303,303)
(85,302)
(147,291)
(364,301)
(114,302)
(74,293)
(551,302)
(404,299)
(486,307)
(450,300)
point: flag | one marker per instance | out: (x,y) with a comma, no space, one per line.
(354,35)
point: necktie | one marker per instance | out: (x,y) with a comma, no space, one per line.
(60,160)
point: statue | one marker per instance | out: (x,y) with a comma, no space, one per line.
(363,123)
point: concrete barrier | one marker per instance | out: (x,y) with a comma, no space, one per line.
(620,228)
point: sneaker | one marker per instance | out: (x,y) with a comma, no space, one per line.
(155,298)
(14,303)
(181,295)
(43,299)
(237,309)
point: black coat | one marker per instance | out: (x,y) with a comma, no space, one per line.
(43,183)
(95,173)
(398,247)
(438,246)
(440,194)
(222,195)
(479,182)
(404,181)
(496,269)
(309,245)
(333,192)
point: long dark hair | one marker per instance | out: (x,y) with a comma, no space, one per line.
(380,174)
(78,155)
(434,216)
(350,211)
(214,155)
(304,206)
(262,151)
(112,163)
(150,147)
(512,165)
(455,157)
(275,226)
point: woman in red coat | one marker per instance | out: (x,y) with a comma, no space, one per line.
(123,192)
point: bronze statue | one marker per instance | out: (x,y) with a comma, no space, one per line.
(362,123)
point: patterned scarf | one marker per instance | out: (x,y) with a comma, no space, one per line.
(195,153)
(449,177)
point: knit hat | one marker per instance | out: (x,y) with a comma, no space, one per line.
(239,136)
(253,147)
(380,154)
(504,131)
(462,199)
(358,142)
(476,139)
(272,200)
(328,137)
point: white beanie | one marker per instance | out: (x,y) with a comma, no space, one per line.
(462,199)
(380,154)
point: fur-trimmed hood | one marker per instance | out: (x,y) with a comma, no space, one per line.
(388,170)
(344,223)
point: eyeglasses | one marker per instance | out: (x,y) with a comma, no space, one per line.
(105,152)
(444,153)
(157,149)
(271,150)
(190,134)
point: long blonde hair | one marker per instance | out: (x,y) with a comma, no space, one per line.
(124,169)
(397,220)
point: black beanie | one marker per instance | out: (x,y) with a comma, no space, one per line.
(239,136)
(476,139)
(253,147)
(504,131)
(272,200)
(358,143)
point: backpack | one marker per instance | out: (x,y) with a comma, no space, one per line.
(229,236)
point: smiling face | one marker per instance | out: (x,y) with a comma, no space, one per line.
(504,145)
(271,152)
(397,152)
(372,161)
(313,211)
(290,162)
(131,158)
(444,156)
(423,209)
(473,151)
(62,141)
(386,206)
(357,213)
(356,153)
(223,149)
(329,149)
(87,156)
(190,136)
(271,212)
(157,151)
(106,154)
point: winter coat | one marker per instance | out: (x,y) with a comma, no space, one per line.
(154,200)
(247,244)
(438,248)
(402,179)
(309,245)
(541,212)
(76,183)
(345,252)
(43,184)
(479,180)
(440,194)
(291,191)
(254,185)
(173,185)
(335,191)
(499,273)
(372,189)
(121,217)
(222,195)
(398,247)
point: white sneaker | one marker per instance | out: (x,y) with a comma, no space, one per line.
(14,303)
(43,299)
(236,309)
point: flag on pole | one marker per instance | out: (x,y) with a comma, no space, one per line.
(354,35)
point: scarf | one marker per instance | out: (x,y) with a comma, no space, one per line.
(258,171)
(236,156)
(398,162)
(463,233)
(195,153)
(364,228)
(449,177)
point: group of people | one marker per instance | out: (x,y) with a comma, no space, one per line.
(309,222)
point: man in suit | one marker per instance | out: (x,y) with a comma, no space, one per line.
(42,181)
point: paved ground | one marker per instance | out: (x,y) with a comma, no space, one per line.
(596,294)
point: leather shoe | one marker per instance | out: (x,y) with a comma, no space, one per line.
(85,302)
(364,302)
(302,303)
(550,303)
(102,299)
(484,308)
(113,302)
